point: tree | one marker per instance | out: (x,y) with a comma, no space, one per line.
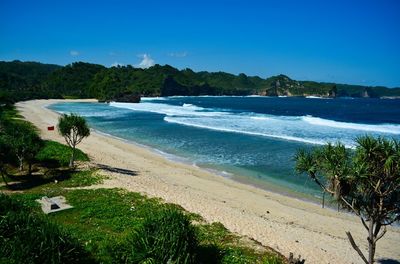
(73,128)
(365,181)
(24,141)
(4,153)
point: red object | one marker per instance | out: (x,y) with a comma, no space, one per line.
(50,128)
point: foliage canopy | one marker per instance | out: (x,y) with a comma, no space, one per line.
(31,80)
(73,128)
(366,181)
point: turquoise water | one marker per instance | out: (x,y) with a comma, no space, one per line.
(250,139)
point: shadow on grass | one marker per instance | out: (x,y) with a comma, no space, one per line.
(116,170)
(388,261)
(50,163)
(26,182)
(209,254)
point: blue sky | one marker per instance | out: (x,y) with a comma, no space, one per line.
(355,42)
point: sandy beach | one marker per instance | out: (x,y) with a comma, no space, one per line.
(283,223)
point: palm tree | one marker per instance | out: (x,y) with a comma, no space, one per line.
(366,181)
(73,128)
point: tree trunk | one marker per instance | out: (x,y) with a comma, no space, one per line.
(30,168)
(71,161)
(356,248)
(21,163)
(4,177)
(371,242)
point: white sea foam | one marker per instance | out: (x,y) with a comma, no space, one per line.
(317,97)
(259,118)
(169,110)
(241,131)
(153,98)
(383,128)
(307,129)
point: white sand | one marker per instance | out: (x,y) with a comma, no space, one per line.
(291,225)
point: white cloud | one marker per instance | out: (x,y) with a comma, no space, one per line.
(116,64)
(146,62)
(74,53)
(178,54)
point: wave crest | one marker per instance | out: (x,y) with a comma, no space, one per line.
(306,129)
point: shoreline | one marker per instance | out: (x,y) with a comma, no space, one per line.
(283,223)
(239,178)
(267,185)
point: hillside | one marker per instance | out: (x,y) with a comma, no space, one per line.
(30,80)
(24,80)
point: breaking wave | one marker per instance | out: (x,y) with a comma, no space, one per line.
(306,129)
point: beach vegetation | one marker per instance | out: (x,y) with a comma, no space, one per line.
(24,142)
(365,181)
(19,140)
(109,222)
(28,237)
(5,150)
(21,145)
(4,154)
(73,128)
(59,154)
(104,225)
(166,236)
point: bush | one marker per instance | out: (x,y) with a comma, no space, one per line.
(166,236)
(56,152)
(8,205)
(26,237)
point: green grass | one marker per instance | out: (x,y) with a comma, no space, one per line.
(230,247)
(59,153)
(103,219)
(82,179)
(8,112)
(29,237)
(165,236)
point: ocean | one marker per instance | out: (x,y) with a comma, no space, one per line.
(249,139)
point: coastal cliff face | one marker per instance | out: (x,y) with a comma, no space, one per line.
(127,98)
(282,85)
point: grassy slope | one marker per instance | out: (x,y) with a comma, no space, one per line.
(102,218)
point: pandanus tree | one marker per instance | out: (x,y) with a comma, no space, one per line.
(73,128)
(365,180)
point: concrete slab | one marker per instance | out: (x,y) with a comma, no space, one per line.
(54,204)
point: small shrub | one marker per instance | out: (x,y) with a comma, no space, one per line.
(8,205)
(165,237)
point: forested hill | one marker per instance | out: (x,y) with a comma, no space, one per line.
(30,80)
